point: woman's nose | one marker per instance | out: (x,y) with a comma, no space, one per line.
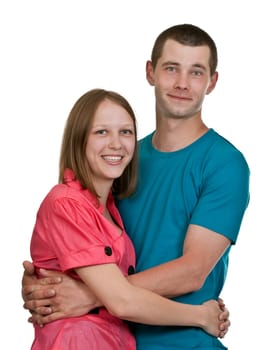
(115,142)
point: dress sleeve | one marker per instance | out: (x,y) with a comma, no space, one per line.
(76,235)
(224,196)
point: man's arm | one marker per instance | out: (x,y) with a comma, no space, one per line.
(202,250)
(55,296)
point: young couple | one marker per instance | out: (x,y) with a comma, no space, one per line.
(183,212)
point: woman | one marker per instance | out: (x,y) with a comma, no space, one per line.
(79,231)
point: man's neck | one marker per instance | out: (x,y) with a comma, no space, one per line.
(174,134)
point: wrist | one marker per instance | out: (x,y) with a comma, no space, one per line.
(200,316)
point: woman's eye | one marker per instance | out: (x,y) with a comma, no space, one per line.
(101,132)
(127,132)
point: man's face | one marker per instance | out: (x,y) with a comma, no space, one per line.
(181,79)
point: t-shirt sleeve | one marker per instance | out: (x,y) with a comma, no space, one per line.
(75,233)
(224,196)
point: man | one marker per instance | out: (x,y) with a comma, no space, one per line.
(192,194)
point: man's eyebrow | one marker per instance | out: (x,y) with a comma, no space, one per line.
(199,65)
(177,64)
(170,63)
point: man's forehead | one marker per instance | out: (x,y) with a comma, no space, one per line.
(178,53)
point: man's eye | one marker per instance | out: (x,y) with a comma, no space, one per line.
(197,73)
(171,69)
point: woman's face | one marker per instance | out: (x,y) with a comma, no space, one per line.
(110,144)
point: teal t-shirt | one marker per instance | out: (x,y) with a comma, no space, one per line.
(206,184)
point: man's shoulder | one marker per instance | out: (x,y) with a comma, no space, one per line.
(145,139)
(224,146)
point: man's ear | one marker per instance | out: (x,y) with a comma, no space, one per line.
(150,73)
(213,83)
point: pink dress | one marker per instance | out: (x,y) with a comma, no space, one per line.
(70,231)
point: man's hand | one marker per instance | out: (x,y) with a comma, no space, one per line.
(55,296)
(34,288)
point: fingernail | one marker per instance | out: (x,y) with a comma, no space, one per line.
(51,292)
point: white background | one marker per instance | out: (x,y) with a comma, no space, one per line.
(53,51)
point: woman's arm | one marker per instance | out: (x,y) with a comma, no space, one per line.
(58,296)
(136,304)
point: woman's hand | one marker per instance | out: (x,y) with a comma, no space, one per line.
(216,318)
(224,318)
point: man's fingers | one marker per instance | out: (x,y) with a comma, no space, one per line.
(50,280)
(41,294)
(45,310)
(37,292)
(34,305)
(39,310)
(28,268)
(30,319)
(38,298)
(51,273)
(42,320)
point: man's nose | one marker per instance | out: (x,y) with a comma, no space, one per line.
(181,81)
